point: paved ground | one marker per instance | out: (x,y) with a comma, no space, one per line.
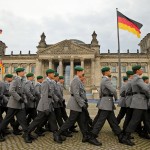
(107,138)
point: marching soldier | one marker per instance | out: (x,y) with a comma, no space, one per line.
(30,93)
(76,104)
(139,104)
(106,106)
(45,107)
(16,105)
(121,103)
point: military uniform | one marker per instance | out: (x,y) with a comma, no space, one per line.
(38,91)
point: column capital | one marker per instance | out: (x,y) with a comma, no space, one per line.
(60,59)
(92,59)
(82,59)
(71,59)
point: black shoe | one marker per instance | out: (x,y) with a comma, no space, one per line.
(126,140)
(85,138)
(74,130)
(57,138)
(94,141)
(17,132)
(144,136)
(40,133)
(2,139)
(67,134)
(27,138)
(63,138)
(6,132)
(33,137)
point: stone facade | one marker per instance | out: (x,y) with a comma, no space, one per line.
(63,56)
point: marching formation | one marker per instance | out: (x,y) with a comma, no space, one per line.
(41,107)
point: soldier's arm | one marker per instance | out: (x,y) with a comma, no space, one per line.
(111,88)
(75,89)
(12,90)
(28,91)
(122,91)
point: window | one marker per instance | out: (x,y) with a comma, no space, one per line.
(113,69)
(6,69)
(32,69)
(123,69)
(15,69)
(114,81)
(143,68)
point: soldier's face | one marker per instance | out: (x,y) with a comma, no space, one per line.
(9,79)
(140,71)
(80,73)
(57,78)
(40,80)
(146,81)
(21,74)
(61,81)
(51,75)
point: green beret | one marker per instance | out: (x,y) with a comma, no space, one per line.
(50,71)
(20,69)
(105,69)
(29,75)
(61,77)
(56,74)
(137,67)
(125,78)
(39,77)
(145,78)
(129,72)
(8,76)
(78,68)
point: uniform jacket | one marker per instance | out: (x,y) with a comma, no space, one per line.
(38,91)
(76,101)
(1,92)
(139,101)
(106,89)
(122,102)
(16,89)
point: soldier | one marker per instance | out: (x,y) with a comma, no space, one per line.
(139,104)
(121,103)
(38,88)
(16,105)
(76,105)
(128,99)
(30,93)
(45,107)
(106,106)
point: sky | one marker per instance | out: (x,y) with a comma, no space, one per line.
(23,21)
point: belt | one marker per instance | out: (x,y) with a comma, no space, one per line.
(49,96)
(129,94)
(107,95)
(138,93)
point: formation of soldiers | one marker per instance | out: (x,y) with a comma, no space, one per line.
(41,107)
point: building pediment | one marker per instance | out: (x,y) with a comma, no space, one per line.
(66,47)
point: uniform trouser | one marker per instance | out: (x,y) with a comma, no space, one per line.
(102,117)
(146,120)
(14,123)
(58,116)
(128,117)
(137,116)
(31,114)
(75,116)
(64,113)
(96,117)
(21,118)
(38,121)
(121,114)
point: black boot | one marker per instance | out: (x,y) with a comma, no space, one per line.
(17,132)
(67,134)
(27,137)
(126,139)
(57,137)
(94,141)
(1,137)
(85,138)
(62,138)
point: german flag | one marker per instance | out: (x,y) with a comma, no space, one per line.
(128,24)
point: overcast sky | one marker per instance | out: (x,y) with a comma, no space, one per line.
(23,21)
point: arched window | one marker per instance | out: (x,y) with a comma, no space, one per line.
(114,81)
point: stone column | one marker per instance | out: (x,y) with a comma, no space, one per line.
(27,68)
(60,67)
(10,68)
(38,67)
(92,71)
(50,64)
(71,68)
(82,62)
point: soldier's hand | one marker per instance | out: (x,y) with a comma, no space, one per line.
(21,100)
(84,107)
(47,112)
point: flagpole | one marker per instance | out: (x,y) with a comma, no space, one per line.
(119,56)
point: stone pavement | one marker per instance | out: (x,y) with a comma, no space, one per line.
(106,136)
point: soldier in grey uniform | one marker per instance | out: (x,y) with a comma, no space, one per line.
(128,99)
(121,103)
(139,103)
(106,106)
(45,107)
(16,105)
(30,93)
(76,105)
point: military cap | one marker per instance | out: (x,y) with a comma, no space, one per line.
(61,77)
(78,68)
(20,69)
(145,78)
(137,67)
(8,76)
(50,71)
(105,69)
(56,74)
(125,78)
(29,75)
(129,72)
(39,77)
